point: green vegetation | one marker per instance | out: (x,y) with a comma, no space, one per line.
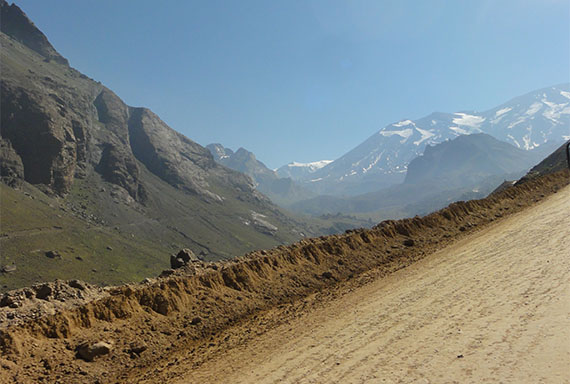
(33,223)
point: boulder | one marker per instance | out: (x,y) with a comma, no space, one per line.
(8,268)
(89,351)
(409,242)
(53,255)
(43,291)
(184,257)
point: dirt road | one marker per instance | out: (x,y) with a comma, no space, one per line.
(494,307)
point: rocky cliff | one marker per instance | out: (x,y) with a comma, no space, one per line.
(115,165)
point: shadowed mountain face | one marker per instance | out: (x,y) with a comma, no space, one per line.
(117,166)
(467,159)
(530,122)
(281,190)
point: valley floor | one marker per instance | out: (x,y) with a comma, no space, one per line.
(493,307)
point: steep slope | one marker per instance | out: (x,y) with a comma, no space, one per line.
(470,166)
(531,122)
(116,166)
(281,190)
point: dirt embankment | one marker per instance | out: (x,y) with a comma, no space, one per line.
(143,324)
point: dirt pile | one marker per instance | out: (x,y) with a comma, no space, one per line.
(187,307)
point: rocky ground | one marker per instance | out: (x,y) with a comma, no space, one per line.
(134,332)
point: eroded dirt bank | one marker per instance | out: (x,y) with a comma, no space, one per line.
(491,308)
(149,325)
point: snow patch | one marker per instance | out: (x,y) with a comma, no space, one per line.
(311,166)
(459,131)
(373,163)
(535,107)
(514,140)
(528,144)
(403,123)
(565,94)
(465,119)
(425,135)
(502,111)
(404,133)
(555,110)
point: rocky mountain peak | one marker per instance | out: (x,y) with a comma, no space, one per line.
(16,24)
(219,151)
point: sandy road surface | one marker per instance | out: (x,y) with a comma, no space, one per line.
(494,307)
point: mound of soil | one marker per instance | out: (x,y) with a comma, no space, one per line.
(142,324)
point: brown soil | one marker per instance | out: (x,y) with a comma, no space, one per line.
(493,307)
(197,315)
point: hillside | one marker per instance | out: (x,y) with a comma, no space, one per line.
(71,142)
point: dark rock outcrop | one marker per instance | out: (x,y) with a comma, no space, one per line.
(11,167)
(16,24)
(184,257)
(41,137)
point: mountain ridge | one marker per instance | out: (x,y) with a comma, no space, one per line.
(72,143)
(467,167)
(528,121)
(283,191)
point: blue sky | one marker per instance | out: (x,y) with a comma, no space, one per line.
(309,80)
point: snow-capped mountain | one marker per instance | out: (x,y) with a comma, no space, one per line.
(536,120)
(301,171)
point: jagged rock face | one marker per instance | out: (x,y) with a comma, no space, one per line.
(117,164)
(41,137)
(60,131)
(16,24)
(11,167)
(174,158)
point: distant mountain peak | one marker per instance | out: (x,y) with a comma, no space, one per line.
(536,119)
(16,24)
(300,171)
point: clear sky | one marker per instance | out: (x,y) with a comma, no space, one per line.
(307,80)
